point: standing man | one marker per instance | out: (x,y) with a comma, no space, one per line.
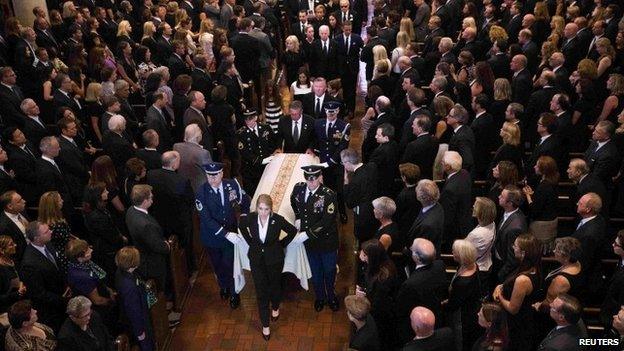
(295,132)
(348,46)
(155,119)
(332,136)
(463,139)
(314,205)
(219,203)
(360,189)
(254,144)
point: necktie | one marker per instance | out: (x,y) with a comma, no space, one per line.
(308,195)
(220,197)
(329,127)
(344,17)
(23,222)
(317,108)
(347,44)
(28,151)
(325,48)
(16,92)
(50,257)
(296,132)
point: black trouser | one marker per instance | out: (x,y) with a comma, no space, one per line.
(268,282)
(332,178)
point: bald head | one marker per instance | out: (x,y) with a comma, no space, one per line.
(404,63)
(171,159)
(423,251)
(422,321)
(570,30)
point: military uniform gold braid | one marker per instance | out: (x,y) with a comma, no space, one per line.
(283,179)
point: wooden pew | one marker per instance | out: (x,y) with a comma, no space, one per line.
(122,343)
(179,272)
(198,247)
(158,316)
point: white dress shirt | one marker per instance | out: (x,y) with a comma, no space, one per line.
(262,229)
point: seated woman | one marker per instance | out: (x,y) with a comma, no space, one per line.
(12,289)
(83,330)
(135,298)
(25,333)
(464,295)
(567,278)
(543,201)
(267,234)
(84,277)
(492,317)
(518,292)
(379,285)
(388,231)
(482,236)
(50,205)
(103,233)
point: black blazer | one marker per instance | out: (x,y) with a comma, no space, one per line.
(508,152)
(7,227)
(306,135)
(322,65)
(430,226)
(34,131)
(484,130)
(520,86)
(12,114)
(7,182)
(457,204)
(386,157)
(152,158)
(441,340)
(614,297)
(62,100)
(49,178)
(592,236)
(566,338)
(72,337)
(247,49)
(591,184)
(271,251)
(604,162)
(500,65)
(370,143)
(463,141)
(71,162)
(506,234)
(202,82)
(177,66)
(348,61)
(119,149)
(46,285)
(24,165)
(165,49)
(407,208)
(550,147)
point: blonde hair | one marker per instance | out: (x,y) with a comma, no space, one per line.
(123,28)
(502,89)
(264,199)
(406,25)
(465,251)
(606,43)
(49,209)
(540,11)
(149,29)
(469,22)
(485,210)
(76,248)
(206,26)
(587,68)
(295,41)
(402,39)
(127,257)
(93,92)
(497,33)
(511,134)
(379,53)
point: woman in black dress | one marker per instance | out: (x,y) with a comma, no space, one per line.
(493,318)
(50,213)
(379,285)
(267,234)
(542,201)
(293,59)
(502,98)
(12,289)
(511,149)
(388,231)
(519,291)
(464,295)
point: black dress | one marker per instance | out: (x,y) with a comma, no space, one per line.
(293,61)
(508,152)
(94,109)
(8,293)
(521,325)
(463,305)
(223,129)
(544,205)
(497,110)
(61,235)
(391,229)
(381,296)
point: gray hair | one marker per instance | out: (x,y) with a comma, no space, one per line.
(46,143)
(452,159)
(192,133)
(427,192)
(25,103)
(385,205)
(77,305)
(121,84)
(439,82)
(117,123)
(32,230)
(460,113)
(349,155)
(169,157)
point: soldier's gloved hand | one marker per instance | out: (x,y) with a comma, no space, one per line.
(232,237)
(300,237)
(298,224)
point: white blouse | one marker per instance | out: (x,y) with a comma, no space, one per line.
(262,230)
(482,238)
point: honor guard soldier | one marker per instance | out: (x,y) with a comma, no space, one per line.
(220,202)
(255,143)
(332,136)
(315,211)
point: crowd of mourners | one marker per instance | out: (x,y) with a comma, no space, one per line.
(486,124)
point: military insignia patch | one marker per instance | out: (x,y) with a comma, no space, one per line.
(198,205)
(330,209)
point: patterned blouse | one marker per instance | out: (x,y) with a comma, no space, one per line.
(16,341)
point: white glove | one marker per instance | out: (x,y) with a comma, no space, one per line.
(232,237)
(300,237)
(298,224)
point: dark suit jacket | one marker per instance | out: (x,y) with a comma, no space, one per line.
(360,192)
(591,184)
(321,64)
(427,286)
(306,135)
(202,82)
(25,167)
(50,178)
(152,158)
(500,65)
(592,236)
(457,204)
(614,297)
(7,182)
(550,147)
(271,251)
(119,149)
(12,114)
(386,157)
(71,162)
(7,227)
(247,49)
(566,338)
(72,337)
(513,28)
(484,130)
(177,66)
(34,131)
(61,100)
(309,105)
(407,209)
(531,51)
(46,285)
(604,162)
(422,152)
(463,141)
(441,340)
(506,234)
(520,85)
(572,51)
(428,225)
(165,49)
(192,116)
(149,239)
(133,302)
(348,60)
(369,143)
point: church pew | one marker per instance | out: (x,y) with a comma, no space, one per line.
(179,271)
(158,316)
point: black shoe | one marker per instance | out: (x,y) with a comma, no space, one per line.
(224,294)
(333,305)
(234,301)
(318,305)
(343,218)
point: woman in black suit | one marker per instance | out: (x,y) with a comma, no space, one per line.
(511,148)
(267,234)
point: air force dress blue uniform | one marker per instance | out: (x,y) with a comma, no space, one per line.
(217,209)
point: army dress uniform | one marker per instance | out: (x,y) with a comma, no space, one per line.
(254,145)
(217,209)
(316,211)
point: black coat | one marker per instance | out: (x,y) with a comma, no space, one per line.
(152,158)
(367,54)
(456,201)
(520,85)
(165,49)
(614,297)
(422,152)
(441,340)
(430,226)
(386,157)
(24,164)
(370,143)
(157,121)
(72,338)
(407,208)
(566,338)
(508,152)
(590,183)
(271,251)
(506,234)
(149,239)
(247,49)
(484,130)
(604,162)
(500,65)
(7,182)
(322,64)
(8,227)
(550,147)
(463,141)
(285,136)
(119,149)
(202,82)
(75,170)
(360,192)
(46,285)
(12,114)
(50,178)
(62,100)
(592,236)
(571,50)
(34,131)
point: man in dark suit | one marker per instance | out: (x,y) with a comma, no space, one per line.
(427,337)
(348,46)
(463,139)
(511,225)
(295,133)
(347,14)
(34,127)
(148,236)
(367,51)
(521,82)
(314,102)
(414,101)
(602,154)
(614,293)
(202,81)
(591,232)
(13,221)
(407,205)
(455,199)
(23,161)
(298,28)
(149,154)
(434,31)
(484,130)
(323,55)
(360,186)
(529,49)
(155,119)
(499,61)
(423,150)
(539,102)
(116,145)
(562,76)
(63,95)
(578,172)
(176,63)
(426,286)
(40,271)
(547,144)
(71,160)
(383,109)
(430,222)
(163,42)
(247,51)
(195,114)
(570,47)
(7,176)
(566,311)
(49,174)
(515,22)
(11,97)
(386,157)
(45,38)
